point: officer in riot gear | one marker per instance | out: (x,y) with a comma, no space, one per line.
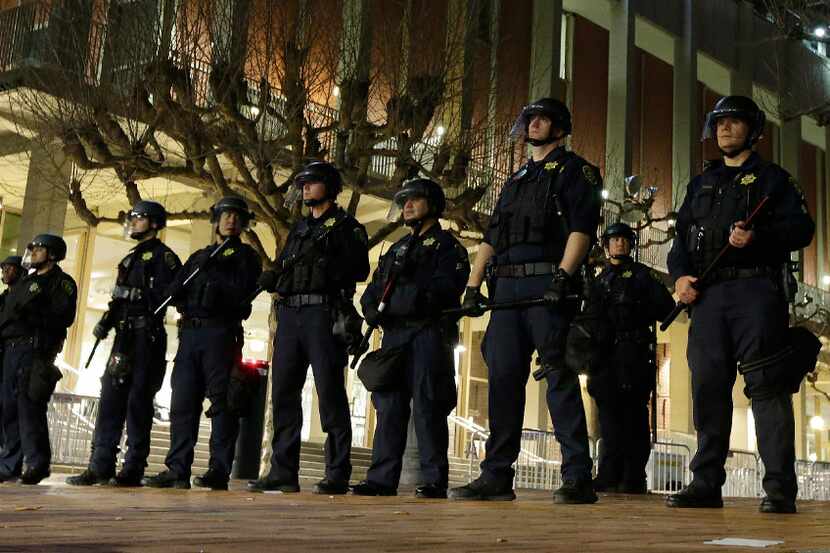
(433,268)
(739,315)
(632,297)
(325,256)
(11,272)
(538,238)
(135,369)
(213,305)
(33,324)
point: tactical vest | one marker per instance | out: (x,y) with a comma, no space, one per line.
(133,280)
(313,272)
(624,291)
(715,206)
(530,210)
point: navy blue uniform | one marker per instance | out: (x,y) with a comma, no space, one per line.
(741,315)
(143,277)
(632,298)
(433,278)
(213,306)
(311,291)
(36,314)
(537,209)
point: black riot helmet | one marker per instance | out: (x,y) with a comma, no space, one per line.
(12,260)
(422,188)
(553,109)
(740,107)
(321,171)
(54,245)
(619,229)
(153,211)
(231,203)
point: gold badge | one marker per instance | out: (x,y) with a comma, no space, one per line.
(746,180)
(329,222)
(627,274)
(34,288)
(147,256)
(551,165)
(228,252)
(429,241)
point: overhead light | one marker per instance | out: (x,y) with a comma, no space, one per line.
(255,111)
(460,348)
(335,91)
(812,457)
(825,280)
(817,422)
(439,130)
(604,194)
(671,219)
(820,32)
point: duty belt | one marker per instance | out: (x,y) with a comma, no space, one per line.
(129,293)
(301,300)
(204,322)
(524,269)
(136,322)
(17,341)
(734,273)
(637,335)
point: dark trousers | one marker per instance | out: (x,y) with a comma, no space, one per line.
(509,342)
(202,369)
(130,401)
(25,426)
(626,444)
(740,320)
(427,383)
(304,336)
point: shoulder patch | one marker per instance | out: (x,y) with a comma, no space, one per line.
(170,260)
(147,256)
(68,287)
(590,175)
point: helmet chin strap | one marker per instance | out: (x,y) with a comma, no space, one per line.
(541,142)
(623,257)
(314,202)
(140,235)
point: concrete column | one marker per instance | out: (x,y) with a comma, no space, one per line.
(315,434)
(790,146)
(686,121)
(745,51)
(801,422)
(546,50)
(680,380)
(623,72)
(821,210)
(47,190)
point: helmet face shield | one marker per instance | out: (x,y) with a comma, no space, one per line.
(130,221)
(395,212)
(26,263)
(293,195)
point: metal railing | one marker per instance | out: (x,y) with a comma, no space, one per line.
(813,480)
(667,470)
(539,465)
(743,474)
(71,419)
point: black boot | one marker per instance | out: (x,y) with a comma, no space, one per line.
(431,491)
(87,478)
(33,476)
(777,506)
(167,479)
(481,489)
(696,495)
(605,486)
(269,484)
(212,479)
(371,489)
(575,492)
(127,478)
(330,487)
(636,488)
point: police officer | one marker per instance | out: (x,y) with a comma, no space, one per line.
(36,314)
(739,314)
(136,366)
(432,269)
(631,297)
(325,255)
(11,272)
(539,236)
(213,306)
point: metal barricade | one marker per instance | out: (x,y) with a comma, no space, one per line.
(813,480)
(743,474)
(71,421)
(667,470)
(539,463)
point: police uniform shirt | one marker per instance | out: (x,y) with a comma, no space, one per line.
(634,295)
(433,275)
(223,286)
(524,226)
(149,268)
(340,261)
(42,306)
(723,195)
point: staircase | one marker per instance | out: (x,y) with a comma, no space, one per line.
(312,457)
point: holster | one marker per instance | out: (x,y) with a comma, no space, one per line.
(43,377)
(119,367)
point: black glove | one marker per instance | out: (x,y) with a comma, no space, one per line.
(372,315)
(101,330)
(268,281)
(474,302)
(559,287)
